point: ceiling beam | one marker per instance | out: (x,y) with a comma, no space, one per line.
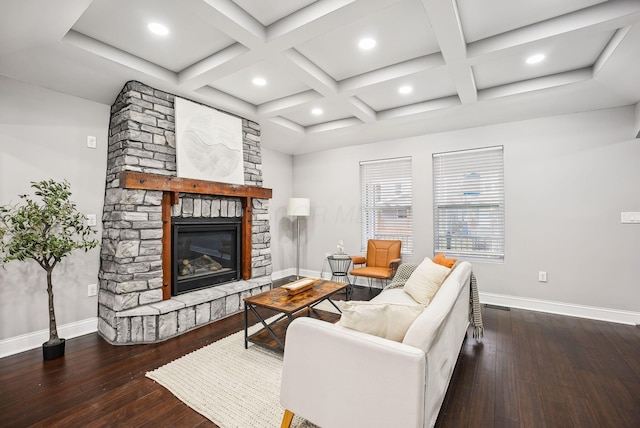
(395,71)
(419,108)
(360,109)
(118,56)
(231,19)
(319,18)
(609,50)
(288,124)
(282,105)
(313,12)
(224,101)
(445,21)
(308,72)
(609,15)
(214,61)
(536,84)
(333,125)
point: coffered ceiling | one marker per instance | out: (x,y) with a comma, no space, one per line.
(462,63)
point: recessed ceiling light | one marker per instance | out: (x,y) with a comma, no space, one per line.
(316,111)
(533,59)
(158,29)
(405,89)
(259,81)
(367,43)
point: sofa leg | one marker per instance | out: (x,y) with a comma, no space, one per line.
(286,419)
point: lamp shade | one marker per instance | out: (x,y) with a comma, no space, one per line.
(299,207)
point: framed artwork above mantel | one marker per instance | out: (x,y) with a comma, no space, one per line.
(208,143)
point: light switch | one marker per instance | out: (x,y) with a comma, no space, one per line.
(91,220)
(92,290)
(92,142)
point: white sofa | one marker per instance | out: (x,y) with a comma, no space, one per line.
(337,377)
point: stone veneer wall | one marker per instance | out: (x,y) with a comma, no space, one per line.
(130,305)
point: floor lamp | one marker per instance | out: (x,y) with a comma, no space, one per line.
(298,207)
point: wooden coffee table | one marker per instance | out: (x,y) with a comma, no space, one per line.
(272,335)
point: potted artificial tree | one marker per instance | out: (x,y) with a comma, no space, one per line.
(45,231)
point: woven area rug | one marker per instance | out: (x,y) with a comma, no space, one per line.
(229,385)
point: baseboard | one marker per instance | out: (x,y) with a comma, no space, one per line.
(573,310)
(283,273)
(303,273)
(26,342)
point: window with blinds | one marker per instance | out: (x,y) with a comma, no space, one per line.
(468,203)
(387,211)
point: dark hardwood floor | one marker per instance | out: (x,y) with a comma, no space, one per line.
(531,370)
(534,369)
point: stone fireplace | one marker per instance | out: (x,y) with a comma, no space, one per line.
(152,284)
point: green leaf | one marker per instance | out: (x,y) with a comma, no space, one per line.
(46,229)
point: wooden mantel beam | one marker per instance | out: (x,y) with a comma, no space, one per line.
(144,181)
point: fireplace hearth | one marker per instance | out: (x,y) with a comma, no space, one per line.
(206,252)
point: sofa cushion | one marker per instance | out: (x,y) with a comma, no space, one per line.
(387,320)
(441,259)
(394,295)
(424,282)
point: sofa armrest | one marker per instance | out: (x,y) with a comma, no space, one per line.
(335,376)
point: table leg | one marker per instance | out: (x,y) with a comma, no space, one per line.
(334,305)
(267,326)
(246,326)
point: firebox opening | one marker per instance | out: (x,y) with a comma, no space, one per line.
(206,252)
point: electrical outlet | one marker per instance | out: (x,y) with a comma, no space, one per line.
(91,220)
(92,290)
(542,276)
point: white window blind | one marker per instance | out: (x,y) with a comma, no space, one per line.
(468,193)
(387,211)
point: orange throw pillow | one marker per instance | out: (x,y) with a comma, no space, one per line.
(442,260)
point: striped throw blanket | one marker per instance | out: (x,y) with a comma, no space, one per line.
(475,315)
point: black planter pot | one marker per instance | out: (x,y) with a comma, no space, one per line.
(51,352)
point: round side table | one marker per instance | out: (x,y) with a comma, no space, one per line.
(339,265)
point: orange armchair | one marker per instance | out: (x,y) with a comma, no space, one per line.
(381,262)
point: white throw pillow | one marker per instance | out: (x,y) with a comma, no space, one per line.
(425,281)
(387,320)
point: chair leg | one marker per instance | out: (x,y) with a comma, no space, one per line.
(286,419)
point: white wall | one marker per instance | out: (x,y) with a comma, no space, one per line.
(567,179)
(277,174)
(43,135)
